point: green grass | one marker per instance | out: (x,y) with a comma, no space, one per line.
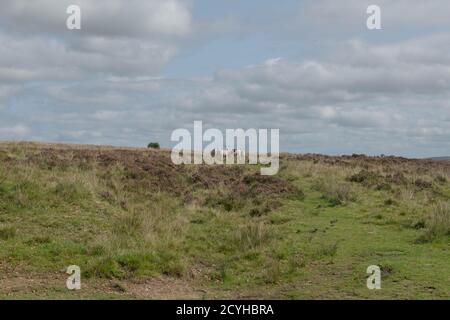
(123,221)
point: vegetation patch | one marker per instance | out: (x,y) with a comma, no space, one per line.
(437,223)
(131,219)
(7,232)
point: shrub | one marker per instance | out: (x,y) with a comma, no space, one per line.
(264,208)
(227,201)
(419,224)
(153,145)
(383,186)
(422,184)
(441,179)
(256,212)
(366,178)
(390,202)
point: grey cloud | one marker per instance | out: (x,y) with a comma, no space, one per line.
(343,17)
(105,18)
(122,38)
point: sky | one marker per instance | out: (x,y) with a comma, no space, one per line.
(139,69)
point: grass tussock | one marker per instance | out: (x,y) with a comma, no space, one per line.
(437,223)
(334,191)
(7,232)
(251,236)
(326,250)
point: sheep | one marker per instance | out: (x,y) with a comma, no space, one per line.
(226,152)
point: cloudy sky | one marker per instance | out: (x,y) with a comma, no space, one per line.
(138,69)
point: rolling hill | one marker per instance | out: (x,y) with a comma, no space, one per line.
(141,227)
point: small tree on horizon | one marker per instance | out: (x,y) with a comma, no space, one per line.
(153,145)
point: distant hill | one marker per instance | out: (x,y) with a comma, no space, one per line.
(440,158)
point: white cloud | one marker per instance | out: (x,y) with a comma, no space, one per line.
(17,131)
(76,96)
(361,93)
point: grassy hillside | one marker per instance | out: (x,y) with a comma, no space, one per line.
(141,227)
